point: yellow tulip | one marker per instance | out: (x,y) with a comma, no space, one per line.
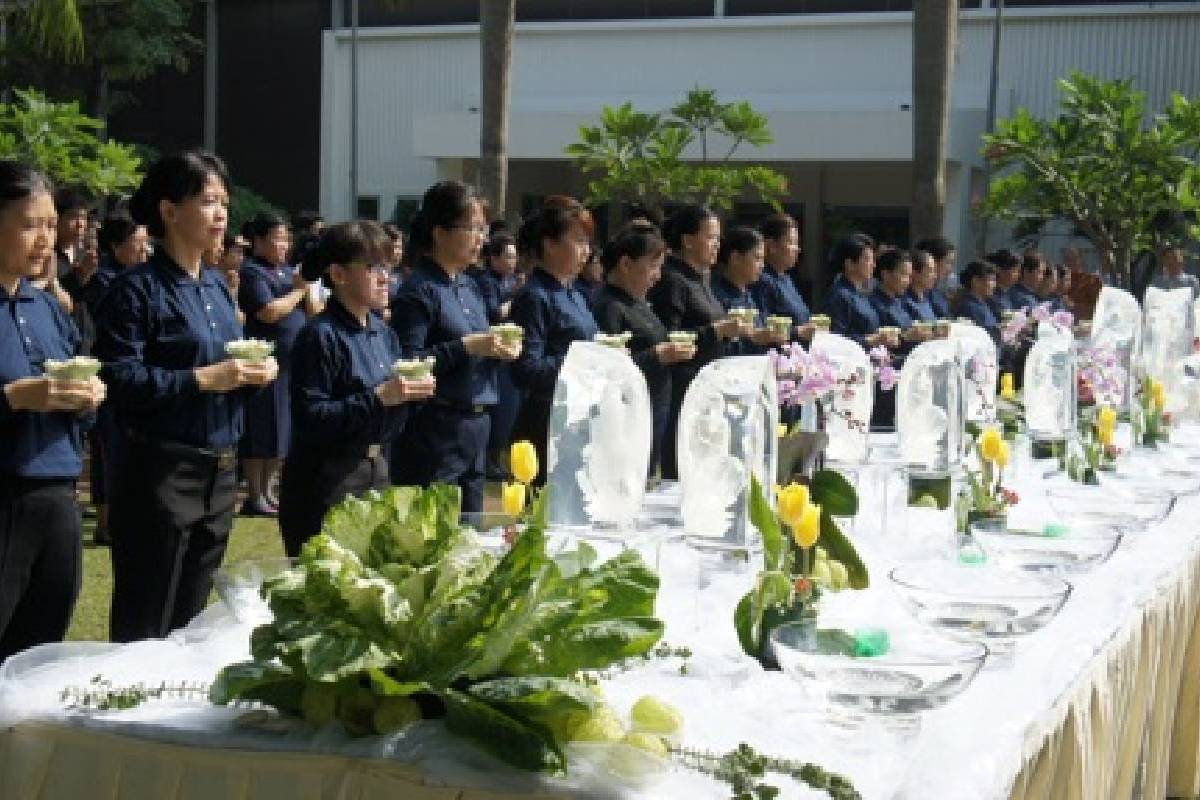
(807,529)
(1105,435)
(990,442)
(523,461)
(791,502)
(781,430)
(512,497)
(1008,389)
(1158,394)
(1106,417)
(1002,455)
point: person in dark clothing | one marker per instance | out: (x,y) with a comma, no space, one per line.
(179,400)
(41,457)
(1008,271)
(776,291)
(848,303)
(440,314)
(553,314)
(894,269)
(979,280)
(1024,294)
(942,295)
(739,267)
(345,401)
(498,283)
(683,301)
(633,264)
(918,300)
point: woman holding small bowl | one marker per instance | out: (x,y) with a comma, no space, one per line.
(350,388)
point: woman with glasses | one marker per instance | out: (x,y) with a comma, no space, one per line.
(274,296)
(440,314)
(345,402)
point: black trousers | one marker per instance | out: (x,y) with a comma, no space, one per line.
(170,514)
(440,444)
(314,482)
(41,561)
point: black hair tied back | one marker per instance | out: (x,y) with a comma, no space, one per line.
(19,181)
(175,178)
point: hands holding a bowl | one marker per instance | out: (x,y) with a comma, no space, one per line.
(412,380)
(500,342)
(251,364)
(70,385)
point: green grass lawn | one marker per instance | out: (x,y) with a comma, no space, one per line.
(252,538)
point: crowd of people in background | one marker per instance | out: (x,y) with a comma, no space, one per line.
(156,291)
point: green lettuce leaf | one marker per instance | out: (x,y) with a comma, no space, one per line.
(522,743)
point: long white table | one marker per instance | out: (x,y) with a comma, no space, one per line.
(1102,703)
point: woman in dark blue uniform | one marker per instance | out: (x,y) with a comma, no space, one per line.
(918,300)
(776,291)
(553,313)
(441,315)
(739,267)
(162,332)
(345,402)
(40,456)
(683,301)
(979,284)
(633,263)
(890,300)
(498,283)
(273,295)
(851,313)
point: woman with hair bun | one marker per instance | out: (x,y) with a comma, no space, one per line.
(346,404)
(179,399)
(440,314)
(40,460)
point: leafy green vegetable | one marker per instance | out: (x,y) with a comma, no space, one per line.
(396,612)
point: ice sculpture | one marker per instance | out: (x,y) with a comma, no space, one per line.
(1050,389)
(727,430)
(598,446)
(1117,328)
(929,406)
(980,370)
(1167,330)
(848,408)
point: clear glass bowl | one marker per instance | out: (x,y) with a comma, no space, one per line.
(238,584)
(920,671)
(1079,550)
(979,603)
(1126,507)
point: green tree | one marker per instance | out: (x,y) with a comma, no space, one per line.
(54,24)
(62,141)
(1126,182)
(640,157)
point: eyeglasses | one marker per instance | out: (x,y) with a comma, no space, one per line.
(478,230)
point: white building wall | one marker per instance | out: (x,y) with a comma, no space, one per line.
(835,87)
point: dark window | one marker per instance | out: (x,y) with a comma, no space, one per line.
(368,206)
(749,8)
(1031,3)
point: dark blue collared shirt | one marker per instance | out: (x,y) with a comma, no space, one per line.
(776,294)
(431,316)
(553,316)
(336,366)
(920,308)
(1000,301)
(94,290)
(262,283)
(850,312)
(891,310)
(155,326)
(940,303)
(33,328)
(496,291)
(1020,296)
(589,289)
(979,312)
(730,296)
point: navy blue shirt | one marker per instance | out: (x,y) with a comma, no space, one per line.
(776,294)
(94,290)
(730,296)
(891,310)
(1021,296)
(850,312)
(589,289)
(1000,301)
(496,290)
(920,308)
(155,326)
(553,316)
(979,312)
(431,316)
(262,283)
(940,303)
(336,365)
(33,328)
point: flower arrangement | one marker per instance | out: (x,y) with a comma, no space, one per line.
(1100,376)
(985,496)
(1098,453)
(803,377)
(795,570)
(1151,420)
(1023,322)
(1009,409)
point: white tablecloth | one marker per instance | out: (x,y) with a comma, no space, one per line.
(1103,702)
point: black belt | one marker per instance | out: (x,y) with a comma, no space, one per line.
(461,408)
(224,457)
